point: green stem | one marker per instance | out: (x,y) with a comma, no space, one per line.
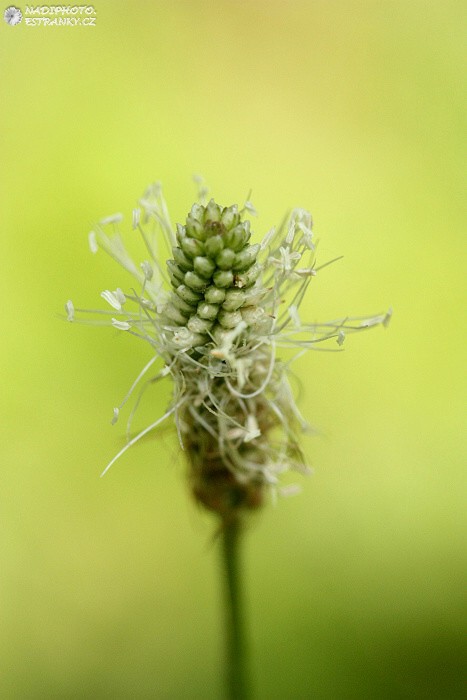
(236,667)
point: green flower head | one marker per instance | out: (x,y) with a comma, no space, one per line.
(216,317)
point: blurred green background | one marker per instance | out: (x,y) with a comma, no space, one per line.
(353,109)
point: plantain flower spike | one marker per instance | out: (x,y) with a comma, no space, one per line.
(216,319)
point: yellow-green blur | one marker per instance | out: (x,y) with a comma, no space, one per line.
(353,109)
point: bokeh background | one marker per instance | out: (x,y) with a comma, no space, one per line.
(353,109)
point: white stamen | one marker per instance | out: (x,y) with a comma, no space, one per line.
(267,238)
(203,190)
(291,232)
(92,242)
(250,208)
(307,237)
(121,325)
(387,318)
(252,429)
(112,219)
(115,416)
(305,272)
(136,216)
(340,338)
(119,295)
(147,269)
(70,310)
(288,258)
(293,313)
(112,299)
(290,490)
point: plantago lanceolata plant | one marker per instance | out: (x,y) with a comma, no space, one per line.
(216,317)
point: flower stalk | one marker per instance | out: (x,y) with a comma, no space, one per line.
(236,652)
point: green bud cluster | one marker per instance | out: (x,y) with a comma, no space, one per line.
(212,273)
